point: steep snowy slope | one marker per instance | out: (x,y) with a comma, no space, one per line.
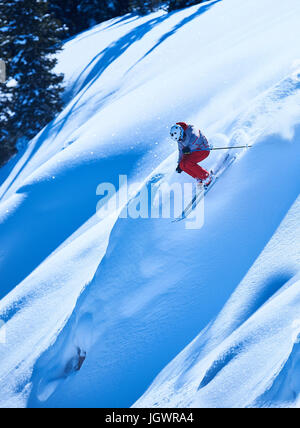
(149,286)
(250,355)
(159,283)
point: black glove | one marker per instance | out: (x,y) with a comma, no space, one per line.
(186,150)
(179,170)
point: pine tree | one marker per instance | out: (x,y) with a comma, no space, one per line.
(119,7)
(95,11)
(6,148)
(31,96)
(180,4)
(67,13)
(144,7)
(79,15)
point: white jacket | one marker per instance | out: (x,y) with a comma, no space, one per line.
(194,140)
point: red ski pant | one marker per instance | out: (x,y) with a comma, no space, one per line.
(189,165)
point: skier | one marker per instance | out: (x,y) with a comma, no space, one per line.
(193,148)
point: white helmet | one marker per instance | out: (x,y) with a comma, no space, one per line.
(177,133)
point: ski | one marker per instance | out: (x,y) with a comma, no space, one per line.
(221,169)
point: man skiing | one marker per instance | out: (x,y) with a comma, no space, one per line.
(193,148)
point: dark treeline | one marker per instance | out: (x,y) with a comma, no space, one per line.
(31,95)
(78,15)
(31,33)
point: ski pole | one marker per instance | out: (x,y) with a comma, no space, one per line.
(234,147)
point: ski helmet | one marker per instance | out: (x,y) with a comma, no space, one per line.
(177,132)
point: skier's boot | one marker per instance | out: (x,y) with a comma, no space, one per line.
(200,185)
(207,181)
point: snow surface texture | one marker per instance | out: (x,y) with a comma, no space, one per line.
(130,295)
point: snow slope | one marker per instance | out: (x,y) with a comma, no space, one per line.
(134,293)
(252,348)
